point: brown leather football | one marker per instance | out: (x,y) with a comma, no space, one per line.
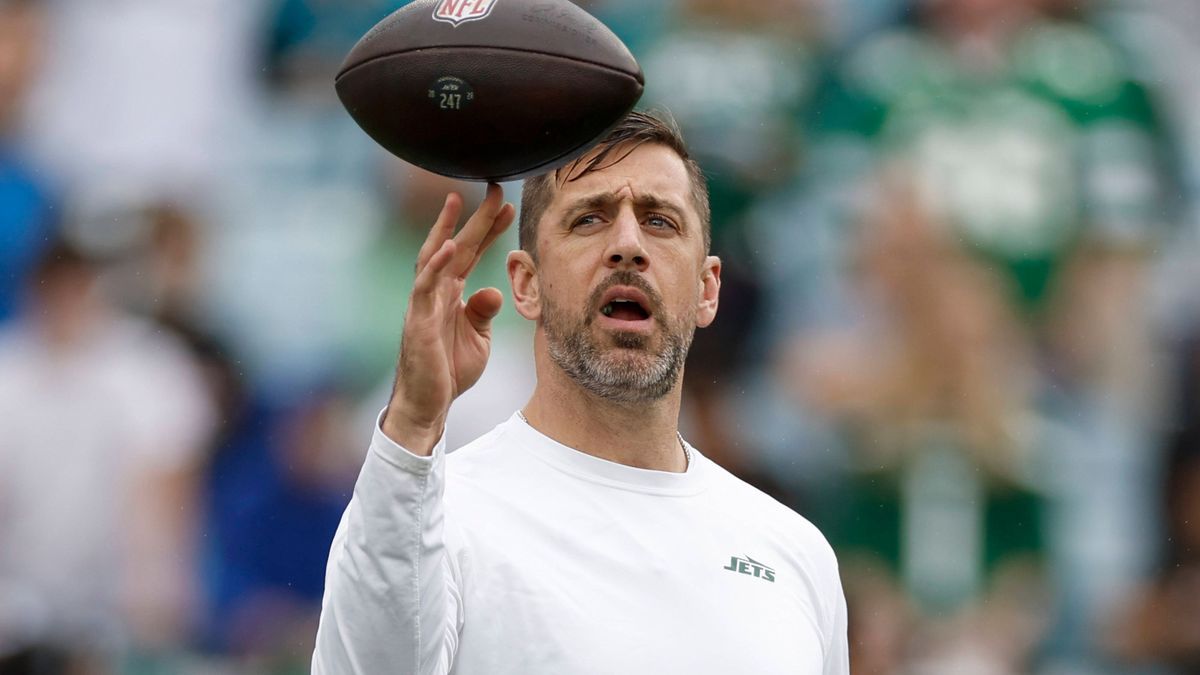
(489,89)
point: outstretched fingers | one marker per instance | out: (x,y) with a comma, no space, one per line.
(501,223)
(470,239)
(443,229)
(425,286)
(446,255)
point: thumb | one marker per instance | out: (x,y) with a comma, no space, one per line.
(482,307)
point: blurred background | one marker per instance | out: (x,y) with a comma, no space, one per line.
(960,324)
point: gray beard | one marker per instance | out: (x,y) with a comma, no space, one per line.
(615,377)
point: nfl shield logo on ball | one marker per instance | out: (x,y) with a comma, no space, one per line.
(455,12)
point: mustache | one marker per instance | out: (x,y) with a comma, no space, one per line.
(633,280)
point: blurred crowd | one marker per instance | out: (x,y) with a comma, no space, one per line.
(960,327)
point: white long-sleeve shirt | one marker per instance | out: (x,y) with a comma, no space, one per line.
(518,555)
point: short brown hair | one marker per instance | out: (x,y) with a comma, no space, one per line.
(636,129)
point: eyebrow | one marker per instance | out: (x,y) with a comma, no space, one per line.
(644,202)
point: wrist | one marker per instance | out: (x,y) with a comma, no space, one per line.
(418,436)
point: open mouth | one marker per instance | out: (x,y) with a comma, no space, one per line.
(626,305)
(625,310)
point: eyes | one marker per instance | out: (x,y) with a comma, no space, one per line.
(651,221)
(658,222)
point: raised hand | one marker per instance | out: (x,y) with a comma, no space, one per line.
(446,340)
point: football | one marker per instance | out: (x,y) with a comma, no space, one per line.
(489,89)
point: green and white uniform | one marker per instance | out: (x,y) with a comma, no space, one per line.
(1054,145)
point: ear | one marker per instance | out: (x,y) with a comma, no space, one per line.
(710,291)
(523,276)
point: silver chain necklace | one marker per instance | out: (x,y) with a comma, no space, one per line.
(687,453)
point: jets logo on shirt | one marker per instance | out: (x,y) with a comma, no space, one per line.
(750,567)
(455,12)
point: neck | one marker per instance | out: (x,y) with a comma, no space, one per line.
(642,435)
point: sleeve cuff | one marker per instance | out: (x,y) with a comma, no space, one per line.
(399,456)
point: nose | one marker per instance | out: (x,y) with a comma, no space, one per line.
(625,249)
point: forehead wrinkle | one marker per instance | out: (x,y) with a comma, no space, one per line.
(651,201)
(642,165)
(650,169)
(594,201)
(642,201)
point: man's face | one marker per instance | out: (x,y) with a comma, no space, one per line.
(623,277)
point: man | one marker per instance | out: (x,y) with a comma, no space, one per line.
(583,535)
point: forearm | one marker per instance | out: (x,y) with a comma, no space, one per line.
(390,602)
